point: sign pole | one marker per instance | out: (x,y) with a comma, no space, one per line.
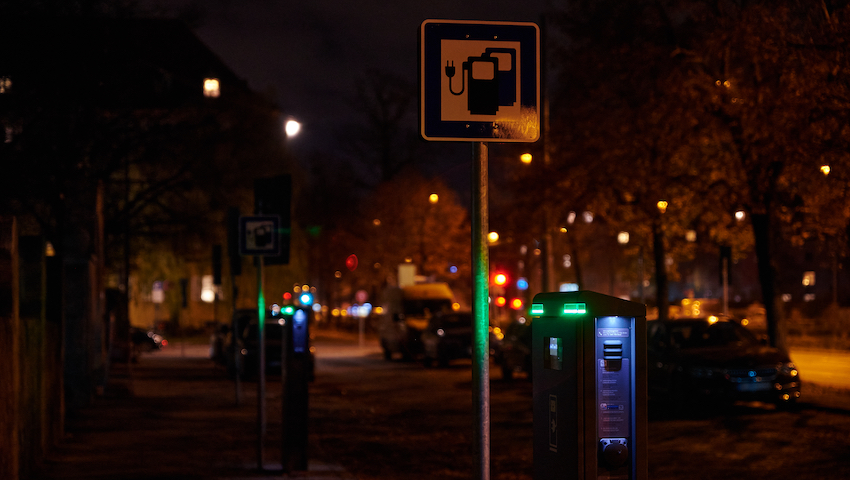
(261,378)
(480,311)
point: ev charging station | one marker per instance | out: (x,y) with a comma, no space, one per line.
(295,376)
(589,383)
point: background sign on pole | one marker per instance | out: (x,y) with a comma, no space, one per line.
(259,235)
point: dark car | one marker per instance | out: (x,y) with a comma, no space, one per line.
(449,337)
(514,354)
(246,364)
(146,340)
(221,350)
(716,360)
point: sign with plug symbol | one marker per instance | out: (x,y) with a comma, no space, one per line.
(488,81)
(480,81)
(259,235)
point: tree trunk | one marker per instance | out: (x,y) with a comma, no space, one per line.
(576,259)
(661,290)
(762,230)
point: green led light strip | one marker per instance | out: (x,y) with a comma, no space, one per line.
(575,308)
(537,309)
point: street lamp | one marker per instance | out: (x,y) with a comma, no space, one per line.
(291,127)
(740,215)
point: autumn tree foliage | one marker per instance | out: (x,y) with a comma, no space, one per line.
(711,107)
(409,219)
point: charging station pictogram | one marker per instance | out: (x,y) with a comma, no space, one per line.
(480,81)
(259,235)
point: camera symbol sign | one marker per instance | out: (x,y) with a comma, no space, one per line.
(480,81)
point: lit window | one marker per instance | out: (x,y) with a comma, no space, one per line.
(211,88)
(5,84)
(808,279)
(207,289)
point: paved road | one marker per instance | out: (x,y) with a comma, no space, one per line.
(829,368)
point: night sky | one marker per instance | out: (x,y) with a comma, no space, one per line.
(310,53)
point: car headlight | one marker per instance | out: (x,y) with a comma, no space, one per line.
(788,368)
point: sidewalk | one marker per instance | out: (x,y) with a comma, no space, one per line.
(173,415)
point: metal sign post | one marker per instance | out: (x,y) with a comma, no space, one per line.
(480,311)
(259,236)
(261,378)
(480,81)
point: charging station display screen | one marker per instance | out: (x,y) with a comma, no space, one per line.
(614,393)
(553,358)
(299,331)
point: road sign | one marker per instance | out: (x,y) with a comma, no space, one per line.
(479,81)
(259,235)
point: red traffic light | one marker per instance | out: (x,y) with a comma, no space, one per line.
(351,262)
(516,303)
(500,301)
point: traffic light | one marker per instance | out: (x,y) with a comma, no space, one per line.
(500,301)
(273,196)
(516,303)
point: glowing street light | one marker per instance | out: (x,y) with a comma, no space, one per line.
(434,198)
(291,127)
(740,215)
(525,158)
(824,169)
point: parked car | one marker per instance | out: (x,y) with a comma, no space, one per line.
(407,311)
(220,337)
(146,340)
(448,337)
(247,344)
(717,360)
(514,354)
